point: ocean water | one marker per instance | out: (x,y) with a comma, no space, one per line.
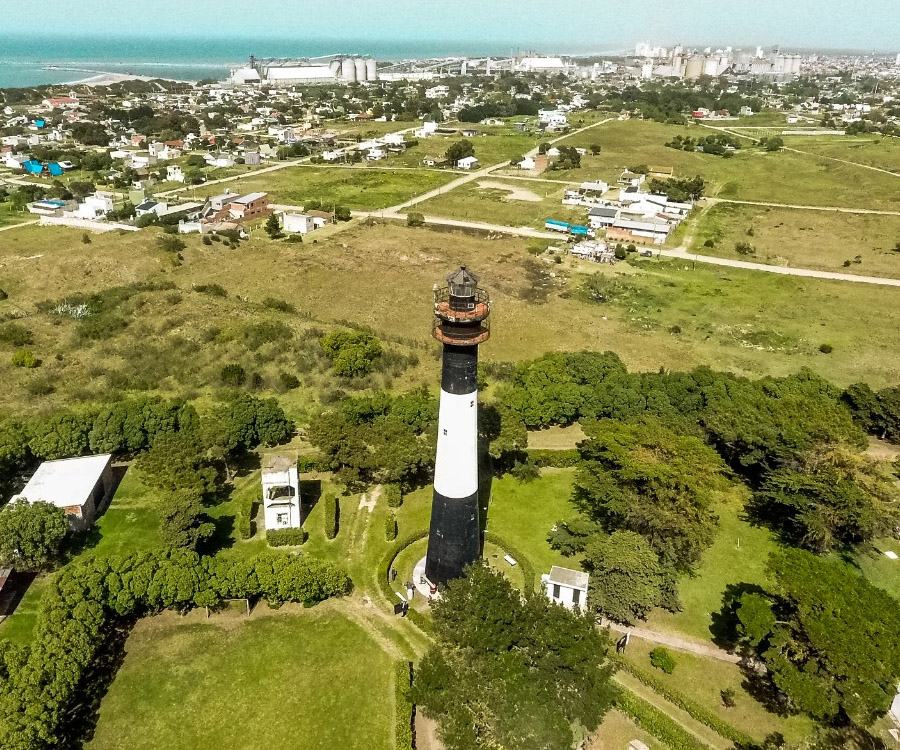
(24,60)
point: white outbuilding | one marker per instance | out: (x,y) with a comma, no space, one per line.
(566,586)
(281,492)
(77,485)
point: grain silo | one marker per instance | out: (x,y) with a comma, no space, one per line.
(693,69)
(796,61)
(360,66)
(371,69)
(336,67)
(711,66)
(348,70)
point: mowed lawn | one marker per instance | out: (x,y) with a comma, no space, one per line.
(360,188)
(752,174)
(804,239)
(300,681)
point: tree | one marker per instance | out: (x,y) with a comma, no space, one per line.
(830,640)
(595,148)
(459,150)
(170,243)
(833,496)
(176,462)
(415,219)
(645,478)
(273,227)
(627,579)
(182,520)
(508,672)
(31,535)
(352,352)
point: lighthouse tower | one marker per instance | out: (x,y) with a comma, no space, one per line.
(461,323)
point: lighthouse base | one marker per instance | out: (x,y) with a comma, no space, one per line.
(455,538)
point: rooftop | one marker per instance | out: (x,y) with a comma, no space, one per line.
(575,579)
(278,463)
(69,481)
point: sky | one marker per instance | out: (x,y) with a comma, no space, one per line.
(543,25)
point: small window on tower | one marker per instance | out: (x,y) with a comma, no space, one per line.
(471,403)
(445,432)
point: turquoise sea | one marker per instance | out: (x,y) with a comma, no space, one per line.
(35,61)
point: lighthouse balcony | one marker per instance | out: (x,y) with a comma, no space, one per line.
(464,334)
(468,309)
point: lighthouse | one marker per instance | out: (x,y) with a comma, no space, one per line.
(461,323)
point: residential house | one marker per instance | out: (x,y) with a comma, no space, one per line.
(639,232)
(95,206)
(601,217)
(174,173)
(467,162)
(527,162)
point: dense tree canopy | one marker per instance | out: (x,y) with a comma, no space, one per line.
(379,438)
(627,579)
(352,352)
(829,638)
(645,478)
(31,535)
(831,496)
(508,672)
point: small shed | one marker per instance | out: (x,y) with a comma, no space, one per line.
(566,586)
(77,485)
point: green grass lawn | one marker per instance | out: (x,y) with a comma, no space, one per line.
(871,150)
(493,145)
(493,204)
(307,680)
(9,217)
(363,188)
(522,514)
(752,174)
(704,679)
(617,731)
(368,129)
(804,239)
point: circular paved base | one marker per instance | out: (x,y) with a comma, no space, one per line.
(422,587)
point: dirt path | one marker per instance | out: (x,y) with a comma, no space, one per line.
(673,640)
(19,226)
(513,193)
(835,209)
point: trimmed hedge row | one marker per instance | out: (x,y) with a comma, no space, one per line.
(245,516)
(394,495)
(518,555)
(697,712)
(40,685)
(331,515)
(286,537)
(390,528)
(556,459)
(649,718)
(404,725)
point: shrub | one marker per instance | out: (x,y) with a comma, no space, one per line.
(709,243)
(390,528)
(206,240)
(744,248)
(662,659)
(15,334)
(85,239)
(24,358)
(331,515)
(525,471)
(288,381)
(245,515)
(170,243)
(826,348)
(3,295)
(278,304)
(563,459)
(728,697)
(213,290)
(394,495)
(352,352)
(415,219)
(286,537)
(404,706)
(233,375)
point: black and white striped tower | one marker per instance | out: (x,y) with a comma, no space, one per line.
(461,323)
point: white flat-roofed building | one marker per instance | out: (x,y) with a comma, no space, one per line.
(566,586)
(77,485)
(281,492)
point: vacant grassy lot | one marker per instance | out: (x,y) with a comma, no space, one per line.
(804,239)
(307,680)
(872,150)
(9,217)
(492,145)
(752,174)
(496,206)
(363,188)
(368,129)
(175,340)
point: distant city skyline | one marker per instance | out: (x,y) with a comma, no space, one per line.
(578,25)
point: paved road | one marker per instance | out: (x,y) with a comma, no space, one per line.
(673,640)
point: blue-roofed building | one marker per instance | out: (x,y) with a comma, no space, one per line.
(40,123)
(55,169)
(33,166)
